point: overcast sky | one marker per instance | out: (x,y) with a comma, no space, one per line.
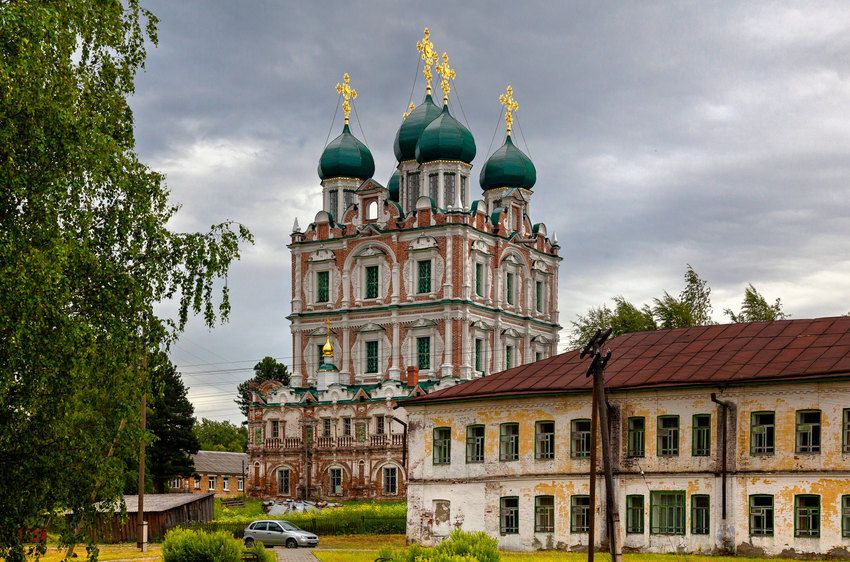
(663,134)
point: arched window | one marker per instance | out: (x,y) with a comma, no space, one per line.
(372,210)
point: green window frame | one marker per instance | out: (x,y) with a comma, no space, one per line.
(423,353)
(634,514)
(845,516)
(701,435)
(667,513)
(474,444)
(509,287)
(700,514)
(509,515)
(544,440)
(371,356)
(323,286)
(509,441)
(538,291)
(808,431)
(509,356)
(371,281)
(580,438)
(636,437)
(424,278)
(479,355)
(479,279)
(761,515)
(668,436)
(538,355)
(544,514)
(806,515)
(442,453)
(845,431)
(762,433)
(579,514)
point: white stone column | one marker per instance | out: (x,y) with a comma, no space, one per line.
(448,285)
(441,189)
(446,368)
(346,350)
(395,370)
(297,353)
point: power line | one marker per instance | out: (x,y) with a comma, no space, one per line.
(331,128)
(496,130)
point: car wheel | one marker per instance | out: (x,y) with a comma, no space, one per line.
(291,543)
(249,542)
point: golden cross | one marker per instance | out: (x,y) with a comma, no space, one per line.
(429,57)
(407,113)
(447,73)
(507,99)
(347,93)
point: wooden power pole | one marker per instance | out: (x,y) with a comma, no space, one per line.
(600,420)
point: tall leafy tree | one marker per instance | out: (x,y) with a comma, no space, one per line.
(625,318)
(85,254)
(221,436)
(755,308)
(266,370)
(691,308)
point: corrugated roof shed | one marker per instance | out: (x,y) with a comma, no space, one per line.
(719,354)
(161,502)
(220,462)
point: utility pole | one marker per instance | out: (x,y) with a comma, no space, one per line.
(600,419)
(141,524)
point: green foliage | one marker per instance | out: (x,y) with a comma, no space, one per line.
(692,308)
(268,369)
(625,318)
(755,308)
(221,436)
(460,546)
(263,555)
(85,255)
(190,545)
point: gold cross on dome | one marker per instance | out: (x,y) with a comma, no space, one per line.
(347,93)
(447,73)
(507,99)
(407,113)
(428,55)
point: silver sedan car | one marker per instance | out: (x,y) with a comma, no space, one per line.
(278,533)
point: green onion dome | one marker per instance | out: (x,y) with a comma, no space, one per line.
(445,139)
(346,157)
(508,167)
(393,186)
(409,132)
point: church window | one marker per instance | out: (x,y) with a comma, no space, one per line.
(464,190)
(424,277)
(539,294)
(479,355)
(321,354)
(326,427)
(423,352)
(372,210)
(334,203)
(449,182)
(509,287)
(336,480)
(412,190)
(346,426)
(347,198)
(372,282)
(323,286)
(538,356)
(479,279)
(390,480)
(275,429)
(371,356)
(509,357)
(433,182)
(380,425)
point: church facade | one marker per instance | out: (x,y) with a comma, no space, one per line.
(398,290)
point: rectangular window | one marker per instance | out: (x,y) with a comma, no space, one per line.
(580,439)
(509,287)
(806,516)
(579,514)
(326,427)
(538,287)
(479,355)
(371,357)
(808,431)
(761,515)
(762,433)
(423,353)
(424,278)
(845,439)
(509,442)
(334,206)
(701,435)
(390,480)
(323,286)
(538,356)
(845,516)
(479,279)
(240,484)
(464,196)
(636,432)
(372,282)
(544,514)
(509,515)
(544,440)
(346,426)
(283,481)
(433,184)
(197,482)
(380,425)
(700,514)
(442,445)
(509,357)
(668,436)
(449,183)
(225,483)
(211,482)
(634,514)
(474,443)
(321,355)
(336,480)
(275,429)
(667,513)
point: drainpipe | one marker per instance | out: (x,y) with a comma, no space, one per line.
(724,410)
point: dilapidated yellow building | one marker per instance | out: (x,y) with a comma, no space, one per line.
(726,438)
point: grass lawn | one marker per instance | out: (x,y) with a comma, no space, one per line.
(107,552)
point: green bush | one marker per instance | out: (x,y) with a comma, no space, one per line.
(263,554)
(459,547)
(189,545)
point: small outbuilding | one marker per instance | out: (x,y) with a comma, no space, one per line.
(162,512)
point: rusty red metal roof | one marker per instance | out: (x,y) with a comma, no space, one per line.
(705,355)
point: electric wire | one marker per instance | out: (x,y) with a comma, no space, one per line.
(362,132)
(496,130)
(523,138)
(413,86)
(460,103)
(331,128)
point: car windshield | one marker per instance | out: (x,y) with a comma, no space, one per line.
(287,526)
